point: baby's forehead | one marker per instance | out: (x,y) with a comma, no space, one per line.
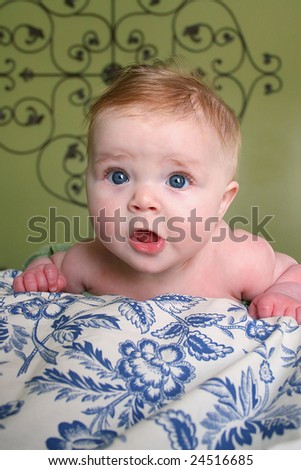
(148,114)
(193,125)
(173,137)
(172,127)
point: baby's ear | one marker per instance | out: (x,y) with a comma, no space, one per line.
(229,194)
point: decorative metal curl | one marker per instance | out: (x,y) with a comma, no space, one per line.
(103,41)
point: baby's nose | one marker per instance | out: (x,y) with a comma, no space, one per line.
(143,200)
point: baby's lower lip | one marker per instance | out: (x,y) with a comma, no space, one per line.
(147,242)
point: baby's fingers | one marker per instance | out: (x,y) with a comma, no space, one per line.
(61,283)
(43,278)
(18,284)
(56,280)
(261,308)
(25,283)
(51,274)
(293,312)
(35,281)
(275,305)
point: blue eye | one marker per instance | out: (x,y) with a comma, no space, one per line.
(118,177)
(178,181)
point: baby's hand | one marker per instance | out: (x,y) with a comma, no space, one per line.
(275,304)
(41,278)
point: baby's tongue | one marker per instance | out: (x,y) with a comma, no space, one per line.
(145,236)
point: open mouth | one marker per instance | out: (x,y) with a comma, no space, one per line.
(145,236)
(146,241)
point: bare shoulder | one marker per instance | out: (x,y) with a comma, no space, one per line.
(79,252)
(80,264)
(250,261)
(241,245)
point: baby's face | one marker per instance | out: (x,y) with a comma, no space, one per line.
(156,187)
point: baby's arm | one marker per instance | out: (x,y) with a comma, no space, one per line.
(68,271)
(270,281)
(283,298)
(42,275)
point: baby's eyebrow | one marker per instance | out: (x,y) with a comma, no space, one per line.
(183,162)
(104,157)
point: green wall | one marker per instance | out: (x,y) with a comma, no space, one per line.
(54,56)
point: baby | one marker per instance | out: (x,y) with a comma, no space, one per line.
(162,157)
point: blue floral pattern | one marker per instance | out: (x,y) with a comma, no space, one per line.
(173,372)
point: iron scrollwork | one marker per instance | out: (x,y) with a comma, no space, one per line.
(58,54)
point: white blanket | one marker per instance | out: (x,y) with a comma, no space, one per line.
(173,372)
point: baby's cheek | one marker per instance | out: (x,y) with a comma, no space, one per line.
(111,227)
